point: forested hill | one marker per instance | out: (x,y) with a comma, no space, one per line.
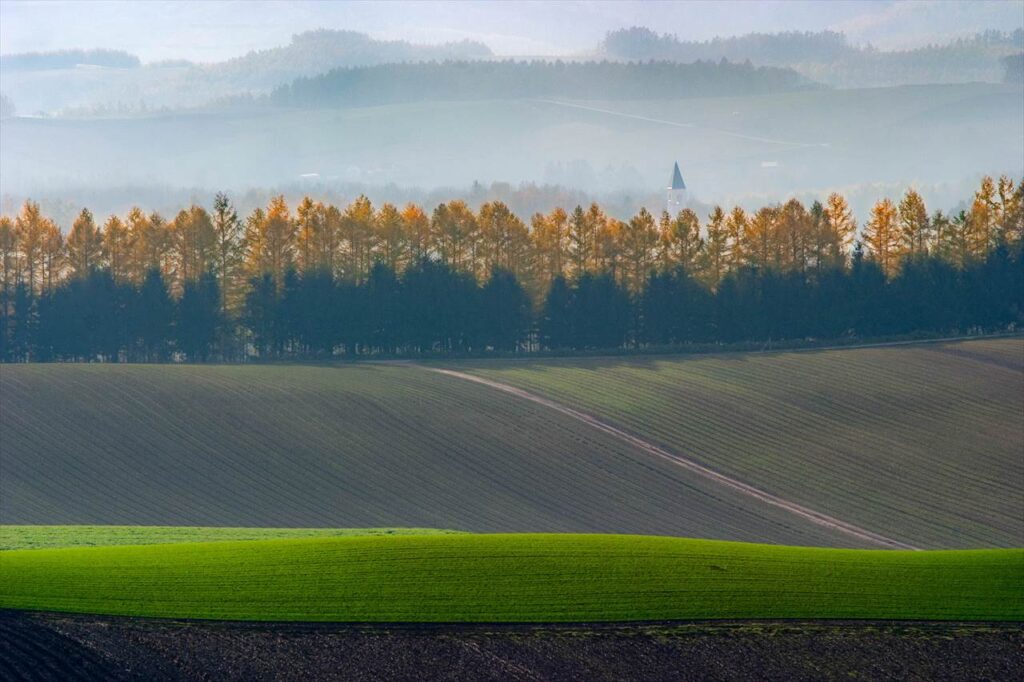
(788,47)
(315,52)
(828,57)
(509,79)
(52,81)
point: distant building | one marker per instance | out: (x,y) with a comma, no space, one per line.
(676,199)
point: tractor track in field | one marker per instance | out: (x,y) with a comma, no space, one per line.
(816,517)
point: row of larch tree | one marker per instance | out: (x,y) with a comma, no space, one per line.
(245,286)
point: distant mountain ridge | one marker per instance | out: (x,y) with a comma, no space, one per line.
(49,82)
(319,51)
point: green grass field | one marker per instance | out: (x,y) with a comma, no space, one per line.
(921,443)
(508,578)
(50,537)
(337,447)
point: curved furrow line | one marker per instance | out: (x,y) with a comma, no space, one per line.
(811,515)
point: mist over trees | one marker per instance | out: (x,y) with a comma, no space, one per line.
(1014,69)
(322,280)
(50,82)
(319,51)
(827,56)
(7,108)
(640,44)
(68,59)
(508,79)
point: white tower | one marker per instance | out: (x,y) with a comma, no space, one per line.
(676,199)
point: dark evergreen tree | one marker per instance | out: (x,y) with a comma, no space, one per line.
(440,308)
(832,304)
(349,315)
(382,307)
(555,324)
(992,289)
(925,295)
(309,313)
(505,311)
(292,315)
(198,319)
(871,313)
(86,319)
(262,315)
(22,324)
(675,308)
(600,313)
(739,308)
(152,317)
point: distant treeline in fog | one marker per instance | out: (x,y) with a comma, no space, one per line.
(68,59)
(50,82)
(827,56)
(180,83)
(1014,65)
(509,79)
(326,280)
(315,52)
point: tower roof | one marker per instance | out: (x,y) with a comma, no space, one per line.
(677,178)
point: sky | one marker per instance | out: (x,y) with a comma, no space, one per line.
(215,30)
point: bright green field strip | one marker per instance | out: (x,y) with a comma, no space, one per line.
(921,443)
(50,537)
(530,577)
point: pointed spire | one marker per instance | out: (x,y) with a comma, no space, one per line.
(677,178)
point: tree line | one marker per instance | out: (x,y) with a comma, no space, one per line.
(326,280)
(510,79)
(783,48)
(828,57)
(787,48)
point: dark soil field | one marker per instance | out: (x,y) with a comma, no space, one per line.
(920,443)
(52,647)
(886,439)
(339,447)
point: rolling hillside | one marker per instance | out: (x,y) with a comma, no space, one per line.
(512,578)
(348,446)
(921,443)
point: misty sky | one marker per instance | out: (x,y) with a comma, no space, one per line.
(216,30)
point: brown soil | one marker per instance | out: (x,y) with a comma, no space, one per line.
(59,647)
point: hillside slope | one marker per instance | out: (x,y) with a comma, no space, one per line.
(351,446)
(921,443)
